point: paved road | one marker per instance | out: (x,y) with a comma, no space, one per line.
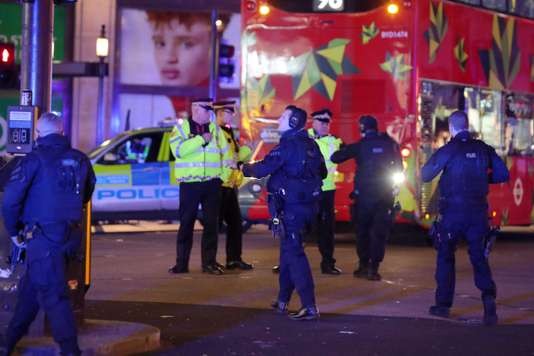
(228,315)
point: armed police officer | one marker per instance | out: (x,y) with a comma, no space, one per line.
(200,149)
(325,220)
(377,159)
(230,210)
(297,169)
(468,166)
(45,197)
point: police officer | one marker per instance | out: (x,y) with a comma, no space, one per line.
(200,148)
(297,168)
(230,211)
(325,220)
(377,160)
(468,166)
(45,195)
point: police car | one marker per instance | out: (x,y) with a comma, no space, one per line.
(135,178)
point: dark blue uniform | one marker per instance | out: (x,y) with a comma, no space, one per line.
(45,193)
(297,169)
(377,158)
(468,167)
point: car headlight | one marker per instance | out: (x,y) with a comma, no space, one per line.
(398,178)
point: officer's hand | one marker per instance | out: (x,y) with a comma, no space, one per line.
(207,137)
(17,242)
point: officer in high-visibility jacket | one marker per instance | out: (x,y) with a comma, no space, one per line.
(320,132)
(230,212)
(200,149)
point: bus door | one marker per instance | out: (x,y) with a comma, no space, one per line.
(519,155)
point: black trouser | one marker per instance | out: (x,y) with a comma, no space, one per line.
(325,227)
(231,215)
(44,285)
(191,195)
(374,221)
(295,272)
(471,224)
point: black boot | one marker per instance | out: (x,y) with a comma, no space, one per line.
(330,268)
(490,311)
(438,310)
(305,313)
(276,269)
(239,264)
(279,307)
(361,271)
(372,273)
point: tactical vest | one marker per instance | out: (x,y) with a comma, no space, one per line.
(378,159)
(196,161)
(465,176)
(236,154)
(57,192)
(302,183)
(328,145)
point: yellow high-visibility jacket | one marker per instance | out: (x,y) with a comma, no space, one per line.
(195,161)
(328,144)
(237,154)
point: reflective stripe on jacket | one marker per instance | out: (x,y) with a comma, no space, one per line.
(195,161)
(328,144)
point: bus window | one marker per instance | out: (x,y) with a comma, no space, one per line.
(523,8)
(519,124)
(442,100)
(483,108)
(498,5)
(471,2)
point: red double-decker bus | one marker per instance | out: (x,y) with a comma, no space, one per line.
(410,64)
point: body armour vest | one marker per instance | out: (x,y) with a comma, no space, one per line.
(301,174)
(465,175)
(58,188)
(377,161)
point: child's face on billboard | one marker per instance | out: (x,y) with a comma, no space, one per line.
(182,52)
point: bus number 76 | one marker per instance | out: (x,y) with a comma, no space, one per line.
(332,5)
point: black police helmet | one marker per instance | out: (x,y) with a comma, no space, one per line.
(368,123)
(298,117)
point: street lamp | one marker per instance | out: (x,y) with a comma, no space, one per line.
(102,51)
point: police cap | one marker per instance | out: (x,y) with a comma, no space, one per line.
(323,115)
(227,105)
(205,103)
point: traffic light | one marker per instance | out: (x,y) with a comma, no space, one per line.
(8,68)
(226,62)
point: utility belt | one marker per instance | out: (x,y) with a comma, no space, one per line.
(33,229)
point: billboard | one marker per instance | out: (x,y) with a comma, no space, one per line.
(168,49)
